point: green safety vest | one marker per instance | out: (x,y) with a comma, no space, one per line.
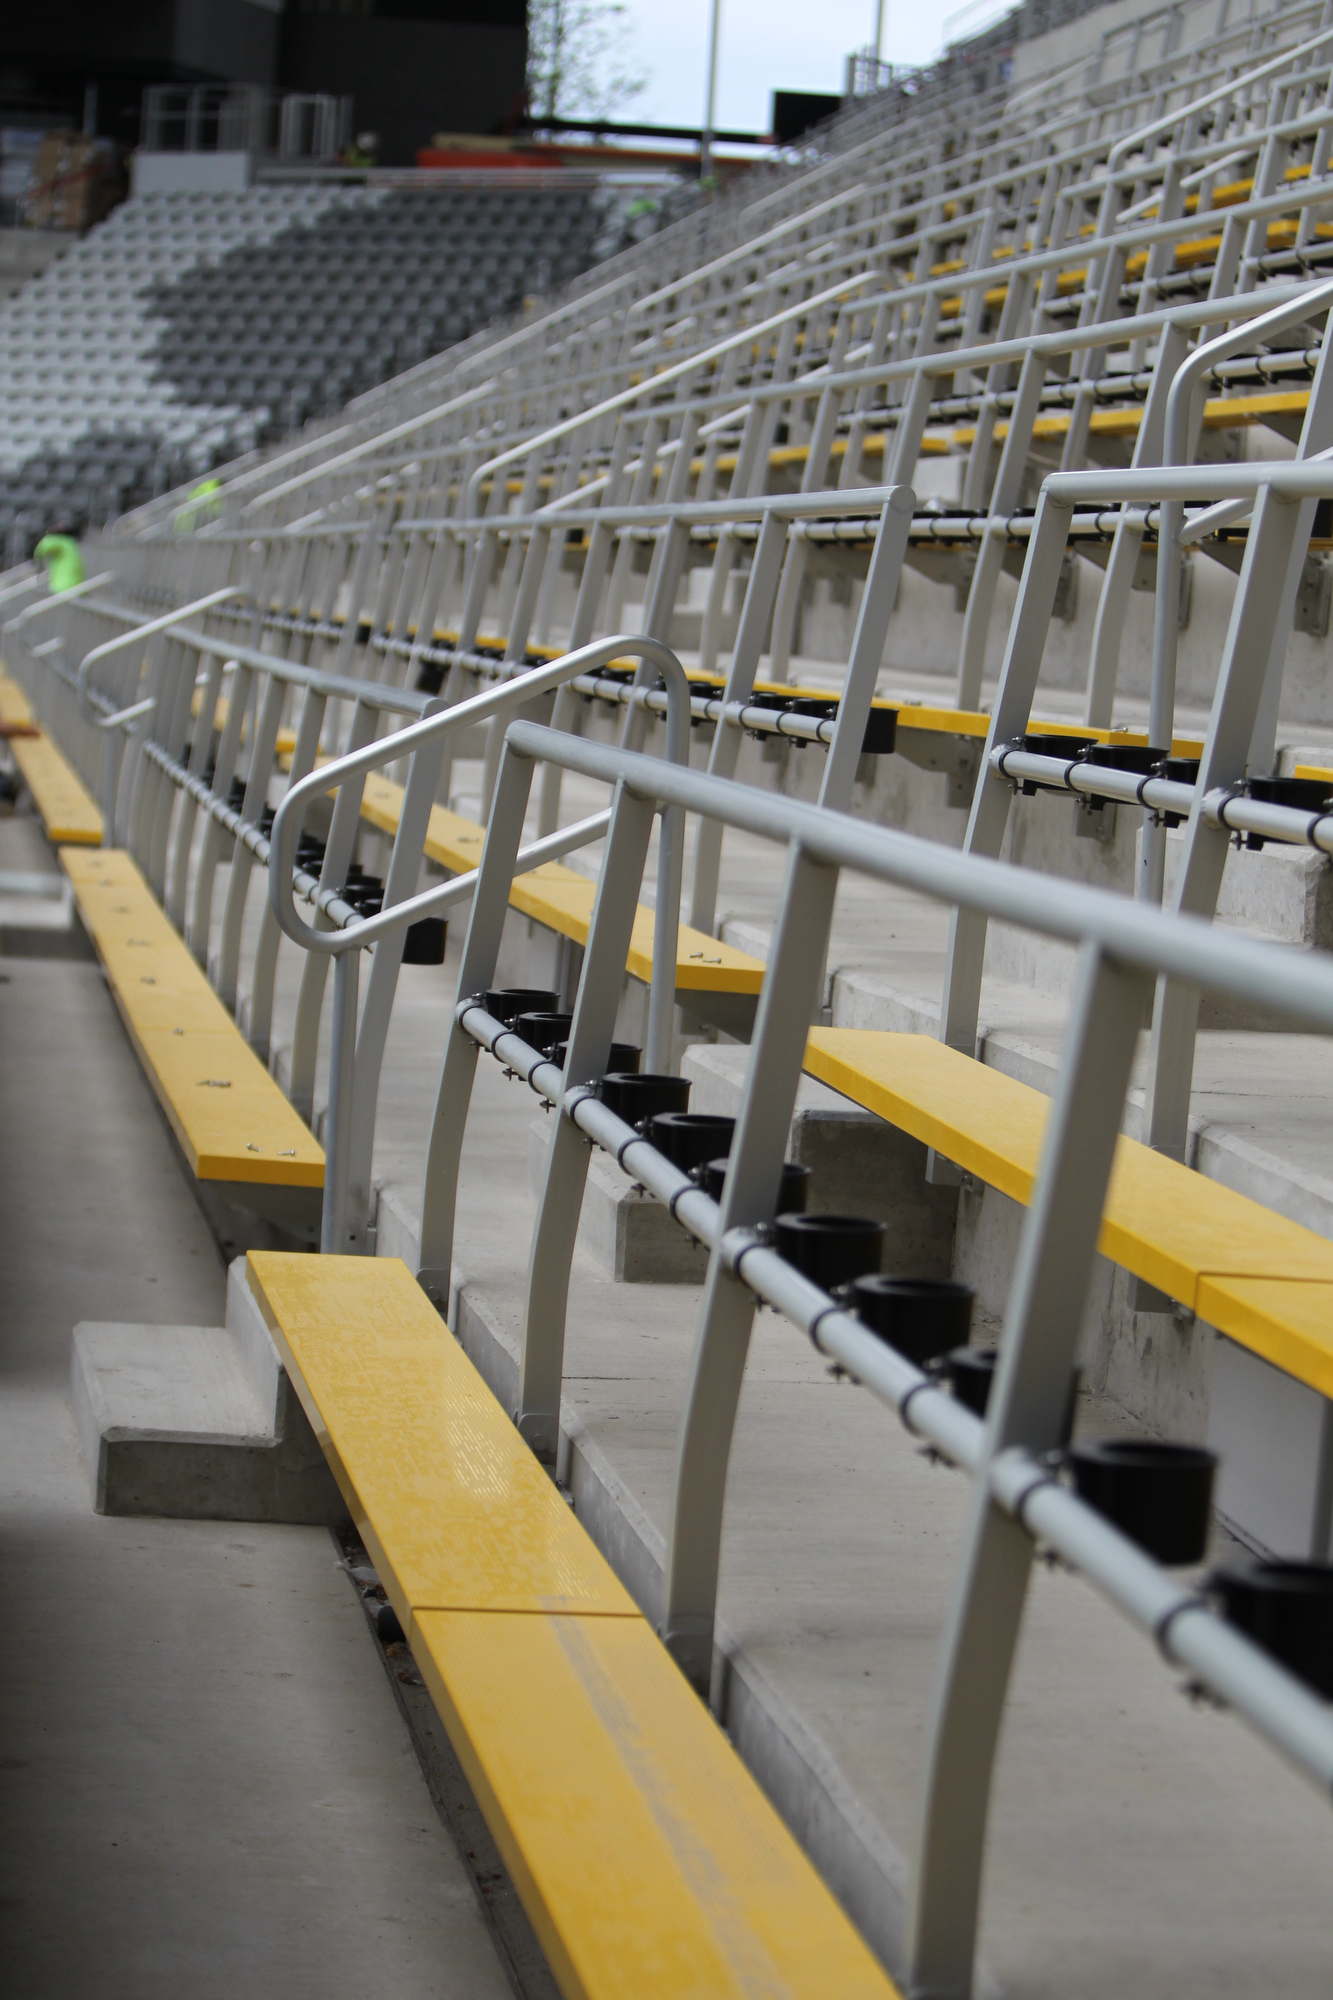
(63,559)
(202,505)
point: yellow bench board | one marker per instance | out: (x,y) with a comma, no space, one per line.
(562,901)
(231,1118)
(14,704)
(1288,1321)
(1162,1221)
(454,1507)
(647,1858)
(68,810)
(644,1852)
(1220,413)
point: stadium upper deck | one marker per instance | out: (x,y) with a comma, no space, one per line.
(989,446)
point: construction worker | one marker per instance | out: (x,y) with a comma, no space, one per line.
(61,553)
(202,505)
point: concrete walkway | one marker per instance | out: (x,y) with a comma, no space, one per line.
(205,1786)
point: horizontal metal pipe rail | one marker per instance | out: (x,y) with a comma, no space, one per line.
(159,758)
(1019,1498)
(1033,264)
(1223,807)
(1298,987)
(1279,498)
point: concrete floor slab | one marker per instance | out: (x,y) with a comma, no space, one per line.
(205,1786)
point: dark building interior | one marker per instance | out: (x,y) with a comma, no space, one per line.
(412,67)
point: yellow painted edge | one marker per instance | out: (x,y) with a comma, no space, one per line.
(560,900)
(376,1367)
(647,1858)
(14,703)
(1013,1172)
(1249,1311)
(68,811)
(261,1170)
(254,1261)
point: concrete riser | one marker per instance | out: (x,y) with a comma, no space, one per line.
(1170,1371)
(197,1423)
(926,627)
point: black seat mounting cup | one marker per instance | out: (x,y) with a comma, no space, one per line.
(542,1029)
(970,1372)
(793,1187)
(425,941)
(1285,1607)
(690,1138)
(636,1098)
(1038,743)
(1051,743)
(1139,758)
(830,1250)
(1158,1494)
(920,1317)
(624,1056)
(506,1003)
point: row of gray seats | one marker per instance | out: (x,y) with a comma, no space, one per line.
(203,356)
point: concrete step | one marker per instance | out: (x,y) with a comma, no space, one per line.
(37,917)
(623,1228)
(853,1156)
(197,1423)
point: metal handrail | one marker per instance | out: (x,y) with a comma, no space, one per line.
(165,623)
(1298,986)
(344,945)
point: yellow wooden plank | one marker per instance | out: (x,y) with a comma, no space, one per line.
(984,1121)
(1162,1221)
(1285,1320)
(68,810)
(647,1858)
(1315,771)
(14,704)
(452,1504)
(933,445)
(562,901)
(1220,413)
(231,1118)
(944,721)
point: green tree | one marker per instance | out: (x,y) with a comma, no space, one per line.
(579,62)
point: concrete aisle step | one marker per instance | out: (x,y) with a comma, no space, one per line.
(37,915)
(197,1422)
(206,1788)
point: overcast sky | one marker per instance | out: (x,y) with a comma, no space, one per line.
(769,45)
